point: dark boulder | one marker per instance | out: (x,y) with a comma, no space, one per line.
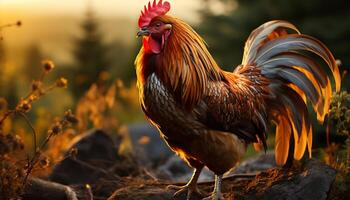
(149,148)
(258,163)
(313,180)
(96,152)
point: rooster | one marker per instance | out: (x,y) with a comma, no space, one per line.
(207,115)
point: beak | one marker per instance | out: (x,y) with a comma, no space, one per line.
(143,32)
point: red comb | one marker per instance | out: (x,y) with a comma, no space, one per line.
(154,10)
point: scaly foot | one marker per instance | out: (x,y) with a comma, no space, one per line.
(215,196)
(188,189)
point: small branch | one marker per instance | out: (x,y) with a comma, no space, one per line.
(51,87)
(148,173)
(31,127)
(85,164)
(6,115)
(18,23)
(34,159)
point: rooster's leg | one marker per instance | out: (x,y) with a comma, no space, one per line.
(216,195)
(190,187)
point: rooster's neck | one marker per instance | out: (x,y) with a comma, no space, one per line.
(184,66)
(148,66)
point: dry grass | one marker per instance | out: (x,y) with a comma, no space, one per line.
(16,163)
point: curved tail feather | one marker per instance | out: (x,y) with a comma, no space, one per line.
(295,77)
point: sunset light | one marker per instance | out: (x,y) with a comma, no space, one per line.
(174,99)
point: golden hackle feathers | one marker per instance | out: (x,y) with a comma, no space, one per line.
(185,64)
(295,77)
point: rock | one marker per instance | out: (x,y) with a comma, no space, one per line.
(96,153)
(44,190)
(311,180)
(175,169)
(257,163)
(150,149)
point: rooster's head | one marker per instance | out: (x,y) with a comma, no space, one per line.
(153,29)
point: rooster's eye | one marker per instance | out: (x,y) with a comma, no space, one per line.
(157,25)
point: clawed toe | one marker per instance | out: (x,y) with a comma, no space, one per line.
(174,187)
(215,197)
(188,190)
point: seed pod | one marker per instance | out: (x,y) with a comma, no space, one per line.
(70,117)
(62,82)
(24,106)
(36,85)
(44,162)
(56,129)
(73,152)
(48,65)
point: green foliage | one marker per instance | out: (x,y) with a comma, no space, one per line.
(226,32)
(338,155)
(339,114)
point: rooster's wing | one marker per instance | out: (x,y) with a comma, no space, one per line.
(235,105)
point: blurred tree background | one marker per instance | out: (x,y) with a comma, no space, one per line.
(91,56)
(226,24)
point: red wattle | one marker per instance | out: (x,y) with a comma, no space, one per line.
(151,45)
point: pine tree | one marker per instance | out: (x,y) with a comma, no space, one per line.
(33,58)
(90,54)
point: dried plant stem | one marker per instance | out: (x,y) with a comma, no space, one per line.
(51,87)
(35,158)
(31,127)
(6,115)
(42,76)
(8,25)
(10,112)
(105,172)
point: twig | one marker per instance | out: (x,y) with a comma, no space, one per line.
(148,173)
(51,87)
(85,164)
(31,127)
(6,115)
(34,159)
(18,23)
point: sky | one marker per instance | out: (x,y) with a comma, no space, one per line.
(52,24)
(128,8)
